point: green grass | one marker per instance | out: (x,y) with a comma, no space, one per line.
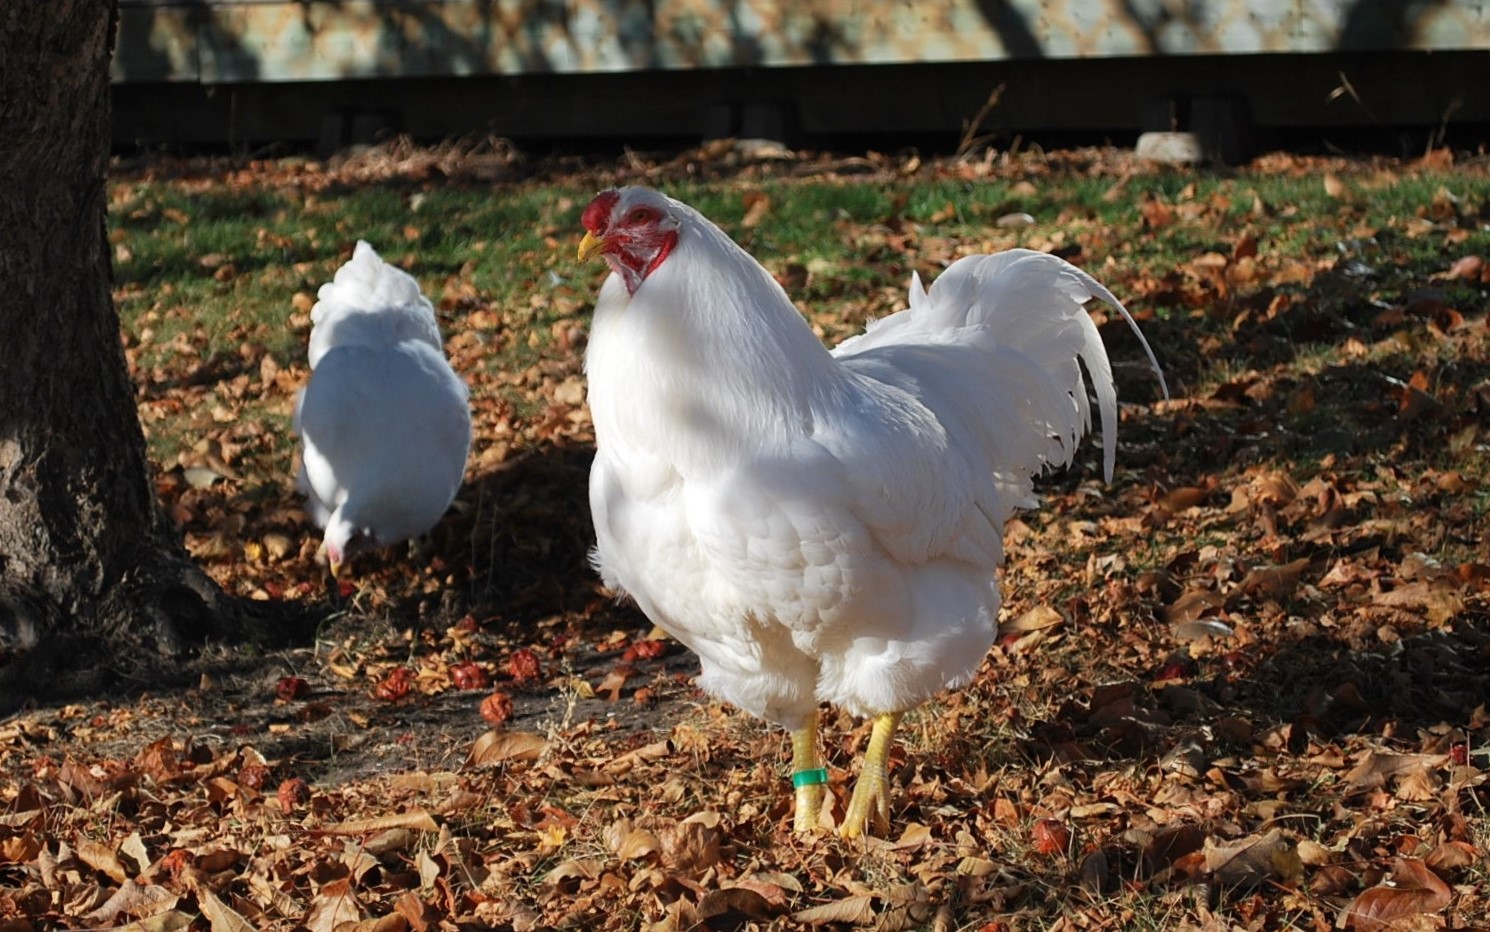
(282,240)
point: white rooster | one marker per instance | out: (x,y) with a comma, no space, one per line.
(816,526)
(385,423)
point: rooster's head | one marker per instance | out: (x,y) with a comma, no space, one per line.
(634,229)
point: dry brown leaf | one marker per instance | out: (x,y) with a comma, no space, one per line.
(1253,860)
(496,747)
(159,760)
(1418,786)
(1274,582)
(626,842)
(644,754)
(757,208)
(1412,890)
(171,921)
(573,869)
(101,858)
(393,922)
(1452,856)
(135,899)
(1097,872)
(1313,853)
(614,680)
(1174,842)
(1438,599)
(1036,619)
(914,835)
(334,904)
(1193,605)
(1183,499)
(1275,489)
(1469,268)
(691,846)
(772,886)
(723,904)
(419,914)
(853,910)
(19,849)
(222,916)
(416,820)
(1379,766)
(133,846)
(1332,880)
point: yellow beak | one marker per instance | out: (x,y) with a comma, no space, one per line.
(590,245)
(336,569)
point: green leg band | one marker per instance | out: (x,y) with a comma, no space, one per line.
(816,777)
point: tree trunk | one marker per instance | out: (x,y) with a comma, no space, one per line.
(86,553)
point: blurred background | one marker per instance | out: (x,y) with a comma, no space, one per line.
(556,76)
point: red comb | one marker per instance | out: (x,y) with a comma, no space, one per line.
(599,210)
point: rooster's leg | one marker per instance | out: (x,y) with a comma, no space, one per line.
(871,799)
(808,776)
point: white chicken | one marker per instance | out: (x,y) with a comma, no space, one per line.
(823,527)
(385,423)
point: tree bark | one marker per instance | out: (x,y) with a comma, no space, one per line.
(86,553)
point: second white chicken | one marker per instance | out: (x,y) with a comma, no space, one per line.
(385,423)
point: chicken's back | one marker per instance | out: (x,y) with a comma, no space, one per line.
(370,303)
(385,434)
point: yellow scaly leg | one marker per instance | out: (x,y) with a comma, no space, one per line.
(808,777)
(871,799)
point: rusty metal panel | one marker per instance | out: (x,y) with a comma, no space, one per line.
(230,41)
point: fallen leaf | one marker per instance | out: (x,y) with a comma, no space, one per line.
(1274,582)
(757,208)
(1469,268)
(691,846)
(853,910)
(1193,605)
(496,747)
(334,904)
(574,869)
(724,903)
(627,843)
(1253,860)
(1037,618)
(417,819)
(222,917)
(1183,499)
(1453,855)
(1379,766)
(101,858)
(137,899)
(1173,842)
(1412,890)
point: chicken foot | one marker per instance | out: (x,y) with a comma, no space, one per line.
(808,777)
(871,799)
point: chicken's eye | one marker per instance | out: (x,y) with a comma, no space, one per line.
(640,215)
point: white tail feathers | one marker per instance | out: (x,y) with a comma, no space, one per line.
(371,303)
(1032,305)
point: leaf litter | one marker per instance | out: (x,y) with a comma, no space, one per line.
(1242,687)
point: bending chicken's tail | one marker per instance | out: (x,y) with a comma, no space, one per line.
(1020,392)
